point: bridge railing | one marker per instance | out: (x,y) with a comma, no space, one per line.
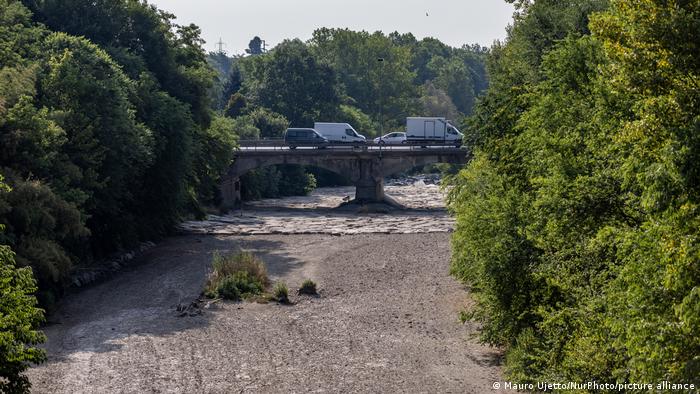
(280,144)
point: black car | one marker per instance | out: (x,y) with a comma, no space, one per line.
(304,137)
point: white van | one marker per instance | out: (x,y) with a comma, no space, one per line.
(339,132)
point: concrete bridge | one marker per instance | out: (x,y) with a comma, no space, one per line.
(365,166)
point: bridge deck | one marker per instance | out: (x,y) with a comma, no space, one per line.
(368,150)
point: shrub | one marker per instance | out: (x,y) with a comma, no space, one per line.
(228,289)
(236,276)
(308,287)
(281,293)
(247,283)
(19,318)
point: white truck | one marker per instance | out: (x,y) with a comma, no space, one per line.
(432,129)
(339,132)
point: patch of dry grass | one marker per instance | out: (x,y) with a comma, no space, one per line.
(236,276)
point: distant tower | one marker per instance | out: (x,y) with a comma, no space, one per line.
(221,46)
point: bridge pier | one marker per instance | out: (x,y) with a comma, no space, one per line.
(231,192)
(369,190)
(368,179)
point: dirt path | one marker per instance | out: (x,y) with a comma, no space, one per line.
(386,322)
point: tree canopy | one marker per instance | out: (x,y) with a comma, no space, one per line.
(371,78)
(98,100)
(577,221)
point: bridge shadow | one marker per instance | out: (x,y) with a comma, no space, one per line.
(340,208)
(333,200)
(141,301)
(354,210)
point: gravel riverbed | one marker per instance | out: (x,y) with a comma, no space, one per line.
(386,321)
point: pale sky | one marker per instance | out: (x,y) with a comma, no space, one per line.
(454,22)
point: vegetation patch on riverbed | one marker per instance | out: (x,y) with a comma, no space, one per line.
(308,288)
(243,276)
(236,276)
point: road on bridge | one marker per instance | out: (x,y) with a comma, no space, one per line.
(256,145)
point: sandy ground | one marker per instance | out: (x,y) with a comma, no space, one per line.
(386,321)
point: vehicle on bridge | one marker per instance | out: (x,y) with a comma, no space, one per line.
(432,129)
(304,137)
(396,138)
(339,132)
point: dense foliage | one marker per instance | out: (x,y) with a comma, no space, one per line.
(338,76)
(19,318)
(107,134)
(578,220)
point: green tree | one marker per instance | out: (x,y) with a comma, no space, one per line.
(44,230)
(454,77)
(436,102)
(19,320)
(104,140)
(295,181)
(653,47)
(255,46)
(271,124)
(140,38)
(291,82)
(107,138)
(163,189)
(213,156)
(424,51)
(244,128)
(373,86)
(235,106)
(576,222)
(358,119)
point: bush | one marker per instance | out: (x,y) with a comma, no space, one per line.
(308,287)
(19,318)
(281,293)
(228,289)
(236,276)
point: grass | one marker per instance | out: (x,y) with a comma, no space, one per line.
(465,316)
(236,276)
(308,287)
(281,293)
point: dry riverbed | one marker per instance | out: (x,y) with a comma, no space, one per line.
(386,321)
(315,214)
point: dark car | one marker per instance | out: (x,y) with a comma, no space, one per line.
(304,137)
